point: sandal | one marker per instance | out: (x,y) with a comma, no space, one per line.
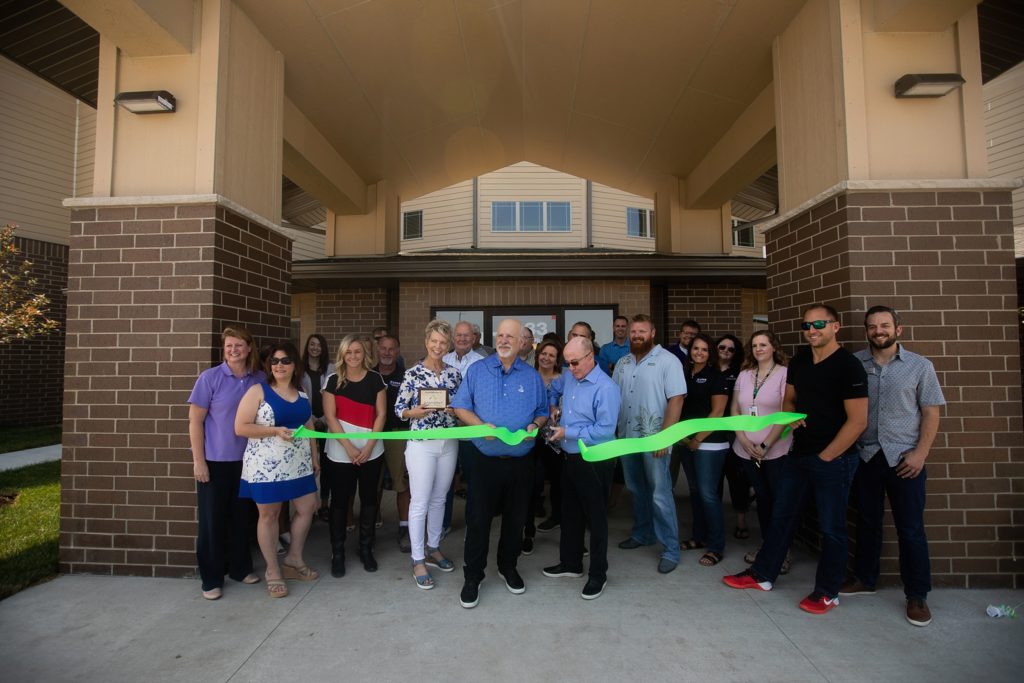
(442,562)
(250,579)
(710,558)
(213,594)
(277,588)
(303,573)
(787,564)
(751,557)
(424,581)
(741,532)
(692,544)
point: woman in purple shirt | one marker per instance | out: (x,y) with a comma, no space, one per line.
(217,464)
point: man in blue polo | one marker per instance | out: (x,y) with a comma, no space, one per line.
(500,390)
(617,347)
(652,387)
(590,410)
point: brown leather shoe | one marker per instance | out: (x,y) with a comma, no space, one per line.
(918,613)
(855,587)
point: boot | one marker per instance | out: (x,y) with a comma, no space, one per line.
(336,525)
(367,522)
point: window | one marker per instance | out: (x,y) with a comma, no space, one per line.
(503,216)
(558,217)
(639,222)
(531,217)
(742,233)
(412,225)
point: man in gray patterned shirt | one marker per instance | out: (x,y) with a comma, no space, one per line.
(904,398)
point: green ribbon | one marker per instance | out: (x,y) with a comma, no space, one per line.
(681,430)
(604,451)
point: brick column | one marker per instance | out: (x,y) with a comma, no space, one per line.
(944,259)
(149,290)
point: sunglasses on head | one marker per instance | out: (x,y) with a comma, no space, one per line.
(574,363)
(282,361)
(816,324)
(723,347)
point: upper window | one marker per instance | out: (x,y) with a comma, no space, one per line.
(639,222)
(742,233)
(412,225)
(531,217)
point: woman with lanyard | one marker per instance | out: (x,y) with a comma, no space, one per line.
(431,463)
(730,360)
(760,388)
(318,369)
(703,457)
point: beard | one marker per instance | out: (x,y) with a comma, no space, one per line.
(888,342)
(640,348)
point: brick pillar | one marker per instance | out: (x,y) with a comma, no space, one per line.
(34,368)
(944,259)
(149,290)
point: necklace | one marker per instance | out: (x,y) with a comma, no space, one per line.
(758,382)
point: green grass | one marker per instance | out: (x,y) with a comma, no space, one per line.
(29,528)
(20,438)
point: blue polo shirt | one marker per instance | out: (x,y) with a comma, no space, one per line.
(590,408)
(504,399)
(610,355)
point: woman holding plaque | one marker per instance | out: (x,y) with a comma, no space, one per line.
(355,398)
(423,400)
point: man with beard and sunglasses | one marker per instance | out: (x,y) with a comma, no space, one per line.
(904,400)
(652,387)
(827,384)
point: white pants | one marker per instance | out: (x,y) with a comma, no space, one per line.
(431,466)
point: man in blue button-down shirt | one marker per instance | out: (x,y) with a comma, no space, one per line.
(500,390)
(590,410)
(904,399)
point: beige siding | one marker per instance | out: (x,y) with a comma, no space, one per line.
(85,156)
(529,182)
(447,219)
(307,244)
(37,140)
(609,219)
(1004,130)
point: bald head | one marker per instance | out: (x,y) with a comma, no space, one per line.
(508,339)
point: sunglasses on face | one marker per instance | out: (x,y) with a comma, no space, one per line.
(723,347)
(281,361)
(574,363)
(816,324)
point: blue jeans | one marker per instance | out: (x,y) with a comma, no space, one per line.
(830,483)
(874,480)
(703,473)
(654,506)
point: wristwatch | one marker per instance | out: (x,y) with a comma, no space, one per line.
(764,446)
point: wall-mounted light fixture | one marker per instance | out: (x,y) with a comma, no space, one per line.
(927,85)
(146,102)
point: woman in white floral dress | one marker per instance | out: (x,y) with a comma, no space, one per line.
(431,464)
(277,468)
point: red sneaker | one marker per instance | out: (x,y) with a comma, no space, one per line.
(817,603)
(747,579)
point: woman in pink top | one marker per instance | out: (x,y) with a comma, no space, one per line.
(759,390)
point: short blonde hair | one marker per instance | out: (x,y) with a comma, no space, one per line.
(442,327)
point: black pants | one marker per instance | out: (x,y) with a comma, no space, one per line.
(343,477)
(585,490)
(739,485)
(222,545)
(497,485)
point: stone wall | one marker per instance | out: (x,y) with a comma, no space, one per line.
(945,261)
(149,290)
(33,369)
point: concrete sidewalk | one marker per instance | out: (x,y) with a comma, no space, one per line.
(379,627)
(30,456)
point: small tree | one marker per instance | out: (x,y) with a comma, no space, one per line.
(22,311)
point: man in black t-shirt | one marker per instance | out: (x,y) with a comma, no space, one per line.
(392,369)
(829,385)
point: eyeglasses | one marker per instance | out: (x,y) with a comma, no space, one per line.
(723,347)
(574,363)
(280,361)
(817,324)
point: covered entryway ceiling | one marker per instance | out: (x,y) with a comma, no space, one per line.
(429,93)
